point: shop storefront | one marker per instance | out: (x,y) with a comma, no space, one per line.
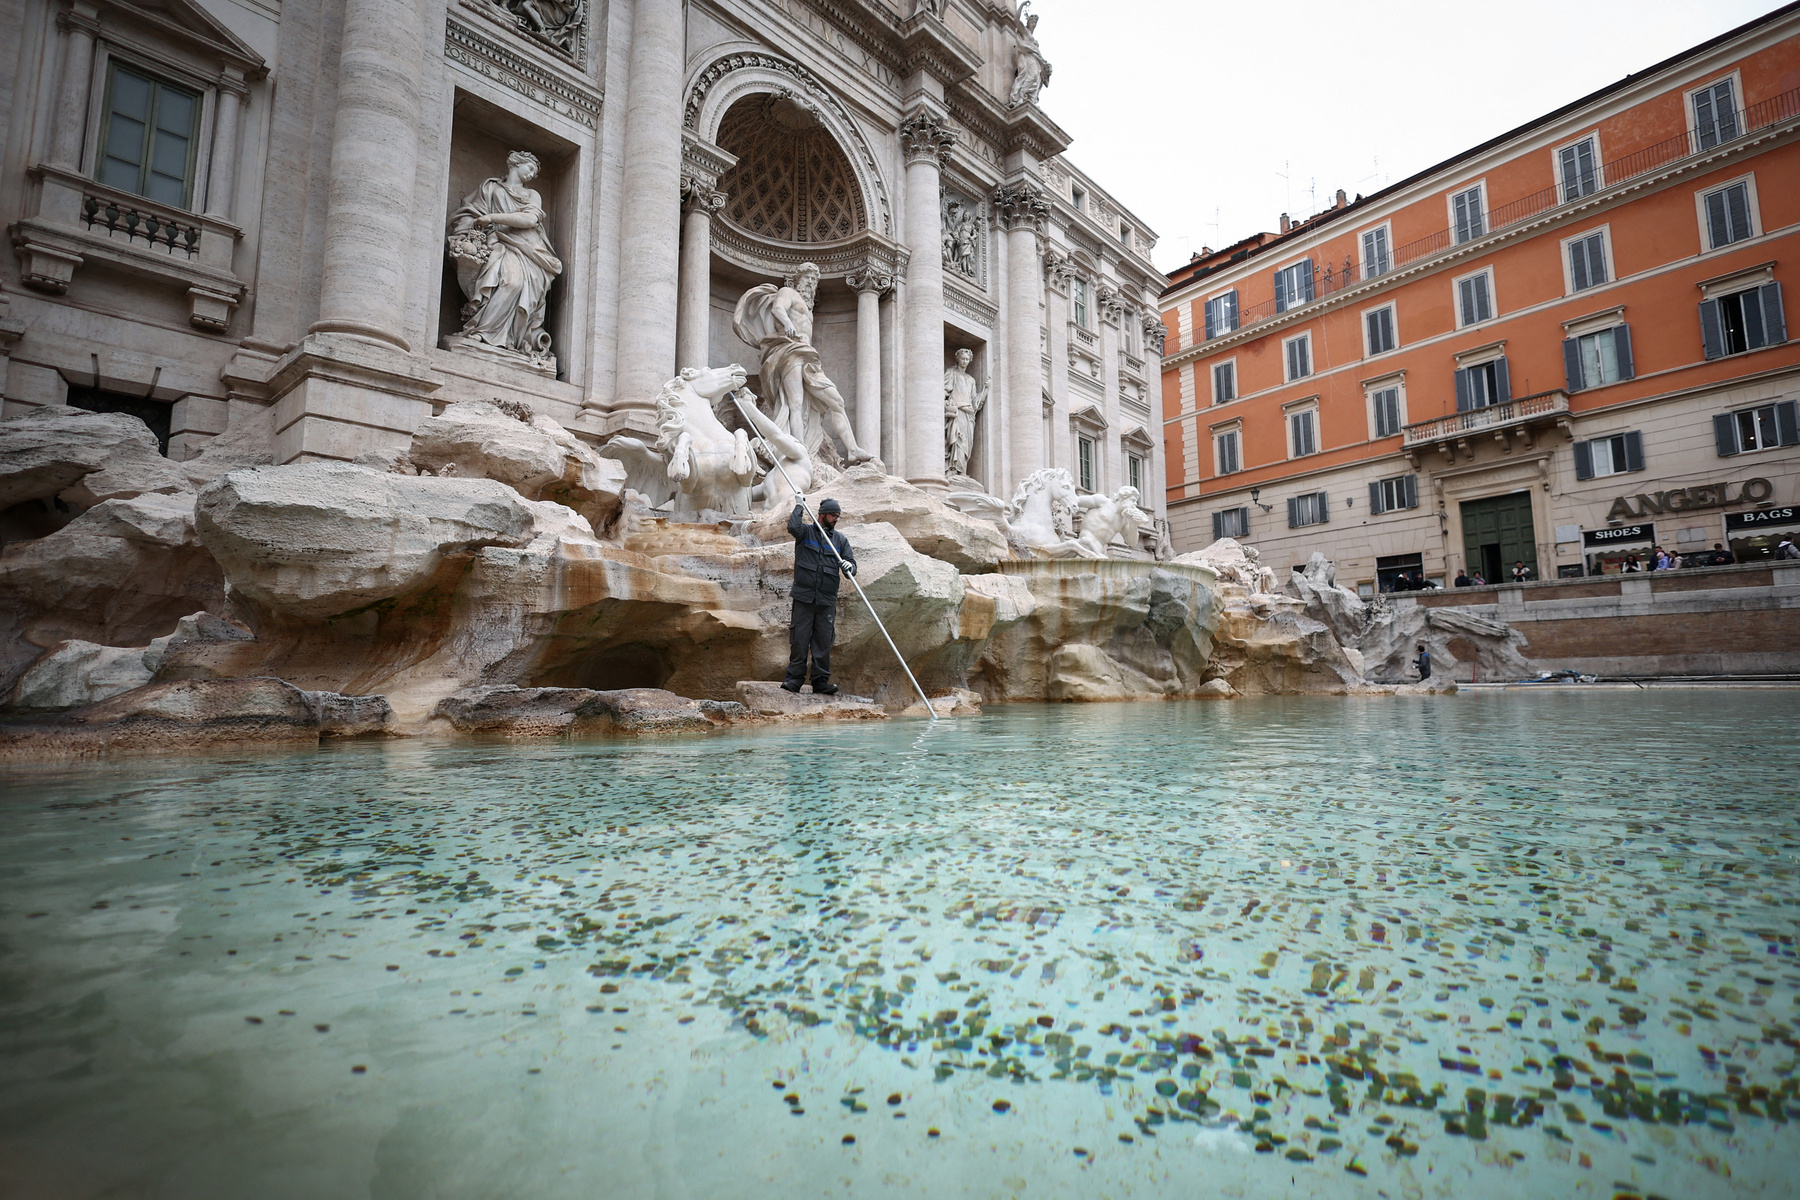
(1753,536)
(1608,551)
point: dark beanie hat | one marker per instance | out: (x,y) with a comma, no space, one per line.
(829,505)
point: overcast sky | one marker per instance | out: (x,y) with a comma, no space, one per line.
(1210,119)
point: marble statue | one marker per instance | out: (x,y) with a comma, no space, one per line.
(1030,74)
(779,322)
(961,237)
(696,462)
(927,8)
(963,402)
(505,266)
(1104,518)
(1032,518)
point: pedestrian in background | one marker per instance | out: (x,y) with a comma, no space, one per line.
(1423,662)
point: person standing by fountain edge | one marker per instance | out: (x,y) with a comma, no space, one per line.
(814,621)
(1423,662)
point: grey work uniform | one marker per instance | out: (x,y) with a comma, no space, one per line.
(814,622)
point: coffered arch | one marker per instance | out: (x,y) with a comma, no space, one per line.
(716,88)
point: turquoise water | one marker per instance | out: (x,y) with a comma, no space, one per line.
(1485,946)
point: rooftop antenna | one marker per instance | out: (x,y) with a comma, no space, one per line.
(1284,175)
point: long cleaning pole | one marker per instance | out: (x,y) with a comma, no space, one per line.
(851,575)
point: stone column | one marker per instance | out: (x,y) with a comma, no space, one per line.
(374,152)
(650,208)
(221,178)
(693,318)
(79,26)
(927,140)
(1024,214)
(868,284)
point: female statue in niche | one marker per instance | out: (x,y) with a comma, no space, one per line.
(505,264)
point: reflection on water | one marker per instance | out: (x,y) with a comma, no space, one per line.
(1496,945)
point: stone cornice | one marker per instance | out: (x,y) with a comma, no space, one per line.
(928,45)
(184,22)
(702,161)
(572,98)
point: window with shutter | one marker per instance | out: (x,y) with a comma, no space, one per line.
(1584,460)
(1134,472)
(1231,523)
(1774,317)
(1471,220)
(1579,176)
(1293,286)
(1225,447)
(1594,358)
(1379,325)
(1080,295)
(1302,433)
(1715,114)
(1474,299)
(1615,455)
(1728,215)
(1221,315)
(1765,427)
(1084,451)
(1587,262)
(1387,412)
(1376,259)
(1481,386)
(1388,495)
(1299,357)
(150,136)
(1224,376)
(1741,321)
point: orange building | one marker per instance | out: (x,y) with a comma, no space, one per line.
(1557,349)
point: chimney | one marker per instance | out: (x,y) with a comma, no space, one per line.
(1284,222)
(1342,199)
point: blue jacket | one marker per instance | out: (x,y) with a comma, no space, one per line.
(815,570)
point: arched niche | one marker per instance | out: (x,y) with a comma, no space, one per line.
(758,100)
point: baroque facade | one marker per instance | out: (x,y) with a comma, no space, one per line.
(219,206)
(1558,349)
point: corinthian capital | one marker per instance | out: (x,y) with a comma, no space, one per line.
(924,136)
(870,279)
(1058,270)
(697,195)
(1021,205)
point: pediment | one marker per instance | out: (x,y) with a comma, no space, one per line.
(186,22)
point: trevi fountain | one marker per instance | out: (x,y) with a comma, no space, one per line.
(399,800)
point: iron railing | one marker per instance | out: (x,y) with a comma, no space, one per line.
(1329,279)
(157,231)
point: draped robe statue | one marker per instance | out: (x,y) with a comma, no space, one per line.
(963,402)
(505,264)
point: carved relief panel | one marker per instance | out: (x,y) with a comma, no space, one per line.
(965,237)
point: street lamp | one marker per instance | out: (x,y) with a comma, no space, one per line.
(1254,494)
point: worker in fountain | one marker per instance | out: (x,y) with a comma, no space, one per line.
(814,621)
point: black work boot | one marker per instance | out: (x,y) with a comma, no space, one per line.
(825,689)
(791,687)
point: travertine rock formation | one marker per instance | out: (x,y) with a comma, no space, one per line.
(1342,609)
(81,458)
(440,589)
(322,539)
(120,574)
(930,526)
(193,714)
(1453,635)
